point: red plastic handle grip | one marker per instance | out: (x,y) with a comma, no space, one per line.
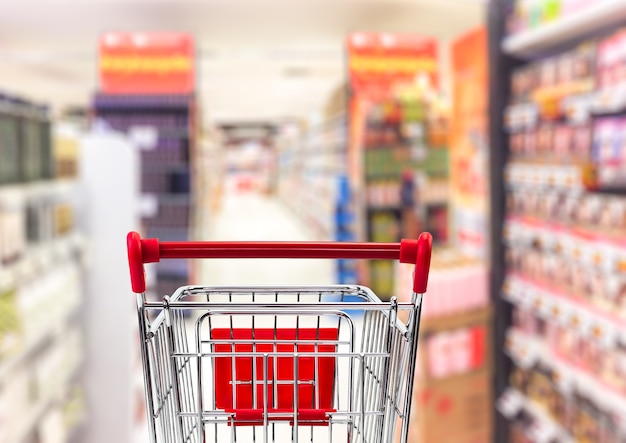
(150,250)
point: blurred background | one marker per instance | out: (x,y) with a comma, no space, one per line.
(497,125)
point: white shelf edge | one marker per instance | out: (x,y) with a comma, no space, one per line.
(51,332)
(41,407)
(594,18)
(598,316)
(9,272)
(583,380)
(540,414)
(38,188)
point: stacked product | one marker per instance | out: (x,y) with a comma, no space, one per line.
(404,154)
(525,15)
(312,165)
(453,384)
(344,230)
(162,127)
(25,146)
(40,283)
(314,183)
(565,254)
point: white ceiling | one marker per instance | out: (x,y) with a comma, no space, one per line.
(258,59)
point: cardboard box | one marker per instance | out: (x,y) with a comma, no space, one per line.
(455,345)
(453,399)
(455,410)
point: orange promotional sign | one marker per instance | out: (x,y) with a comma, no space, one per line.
(146,63)
(469,142)
(378,62)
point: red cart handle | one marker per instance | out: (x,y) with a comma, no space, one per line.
(151,250)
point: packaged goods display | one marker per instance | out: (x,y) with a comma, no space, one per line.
(524,15)
(25,142)
(41,346)
(572,379)
(564,250)
(344,230)
(404,152)
(40,279)
(451,274)
(568,110)
(163,129)
(312,166)
(455,356)
(314,183)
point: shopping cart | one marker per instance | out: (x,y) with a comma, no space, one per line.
(278,363)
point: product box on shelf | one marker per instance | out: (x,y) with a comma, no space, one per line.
(455,346)
(9,144)
(10,324)
(25,141)
(455,410)
(457,285)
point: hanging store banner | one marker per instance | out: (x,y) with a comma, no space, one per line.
(469,144)
(379,62)
(146,63)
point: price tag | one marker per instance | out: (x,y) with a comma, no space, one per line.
(545,305)
(604,333)
(564,380)
(527,297)
(144,137)
(510,403)
(542,432)
(510,118)
(583,322)
(149,205)
(565,311)
(586,252)
(532,115)
(578,108)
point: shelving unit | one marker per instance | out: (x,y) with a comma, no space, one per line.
(164,128)
(556,254)
(405,169)
(311,166)
(41,294)
(314,184)
(41,272)
(597,16)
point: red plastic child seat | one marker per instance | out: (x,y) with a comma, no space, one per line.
(314,397)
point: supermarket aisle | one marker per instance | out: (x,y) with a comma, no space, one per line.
(253,216)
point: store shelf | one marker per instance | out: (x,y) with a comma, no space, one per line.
(523,345)
(546,429)
(590,247)
(40,408)
(556,306)
(38,257)
(596,17)
(20,192)
(50,332)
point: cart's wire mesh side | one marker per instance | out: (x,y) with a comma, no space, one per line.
(230,364)
(173,393)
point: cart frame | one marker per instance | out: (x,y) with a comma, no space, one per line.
(263,377)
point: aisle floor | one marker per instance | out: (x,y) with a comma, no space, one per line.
(255,217)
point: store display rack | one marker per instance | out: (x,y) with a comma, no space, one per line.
(314,184)
(558,202)
(163,127)
(41,270)
(25,141)
(310,169)
(595,16)
(405,168)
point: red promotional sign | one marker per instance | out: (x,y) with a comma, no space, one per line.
(377,62)
(146,63)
